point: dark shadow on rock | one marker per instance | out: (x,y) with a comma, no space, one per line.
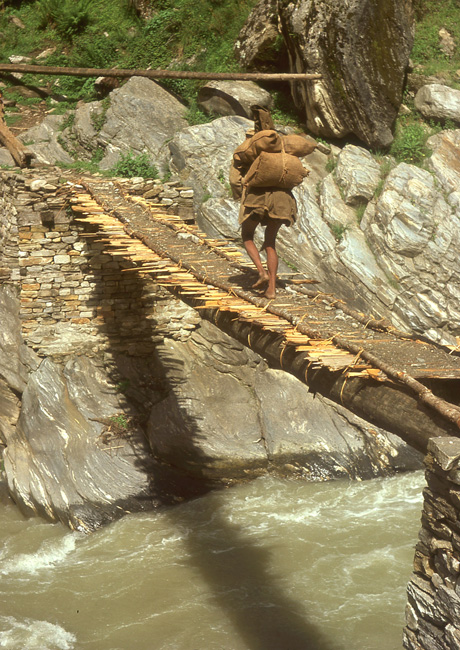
(125,302)
(236,569)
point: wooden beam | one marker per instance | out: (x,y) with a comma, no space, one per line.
(21,155)
(157,74)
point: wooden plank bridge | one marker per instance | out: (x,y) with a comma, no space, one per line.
(405,385)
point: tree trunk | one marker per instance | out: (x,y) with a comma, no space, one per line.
(21,155)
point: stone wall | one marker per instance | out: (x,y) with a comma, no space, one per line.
(68,284)
(433,608)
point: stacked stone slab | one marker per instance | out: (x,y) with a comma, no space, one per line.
(433,608)
(64,277)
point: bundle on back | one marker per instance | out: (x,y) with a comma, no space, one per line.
(277,170)
(273,159)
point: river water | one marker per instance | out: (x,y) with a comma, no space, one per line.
(271,565)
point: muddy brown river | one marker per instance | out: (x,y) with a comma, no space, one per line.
(272,565)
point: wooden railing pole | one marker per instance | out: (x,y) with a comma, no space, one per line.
(157,74)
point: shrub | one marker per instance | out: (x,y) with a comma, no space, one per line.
(69,16)
(331,164)
(409,144)
(338,230)
(131,165)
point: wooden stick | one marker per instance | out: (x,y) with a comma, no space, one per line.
(21,155)
(157,74)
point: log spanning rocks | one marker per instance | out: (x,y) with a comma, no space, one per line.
(433,609)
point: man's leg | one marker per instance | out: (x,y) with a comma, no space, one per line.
(247,233)
(272,257)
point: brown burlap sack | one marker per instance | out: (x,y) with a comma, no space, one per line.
(280,170)
(262,119)
(235,179)
(298,145)
(247,152)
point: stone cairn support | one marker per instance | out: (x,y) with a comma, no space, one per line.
(65,278)
(433,608)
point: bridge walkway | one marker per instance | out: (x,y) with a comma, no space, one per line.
(308,331)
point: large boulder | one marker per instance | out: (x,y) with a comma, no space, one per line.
(226,418)
(66,460)
(44,141)
(258,43)
(202,155)
(361,48)
(142,117)
(233,98)
(438,102)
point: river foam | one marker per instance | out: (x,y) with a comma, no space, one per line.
(30,634)
(50,554)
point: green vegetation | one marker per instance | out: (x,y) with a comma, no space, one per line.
(69,17)
(120,421)
(131,165)
(181,34)
(189,35)
(409,144)
(433,15)
(338,230)
(331,164)
(360,210)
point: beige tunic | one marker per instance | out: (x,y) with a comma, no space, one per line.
(270,202)
(274,203)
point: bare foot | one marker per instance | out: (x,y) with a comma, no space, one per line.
(270,294)
(263,279)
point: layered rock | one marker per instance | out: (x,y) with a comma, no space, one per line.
(232,98)
(129,121)
(237,424)
(134,122)
(361,49)
(258,41)
(388,269)
(435,101)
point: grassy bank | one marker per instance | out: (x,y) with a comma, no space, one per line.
(181,34)
(188,34)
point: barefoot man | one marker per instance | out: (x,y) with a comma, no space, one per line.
(278,208)
(265,206)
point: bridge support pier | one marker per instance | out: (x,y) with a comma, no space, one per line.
(433,593)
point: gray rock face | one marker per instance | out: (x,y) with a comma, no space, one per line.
(445,162)
(202,154)
(256,44)
(142,117)
(16,359)
(357,174)
(415,234)
(440,102)
(233,98)
(75,444)
(45,141)
(362,50)
(226,418)
(82,135)
(390,263)
(58,464)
